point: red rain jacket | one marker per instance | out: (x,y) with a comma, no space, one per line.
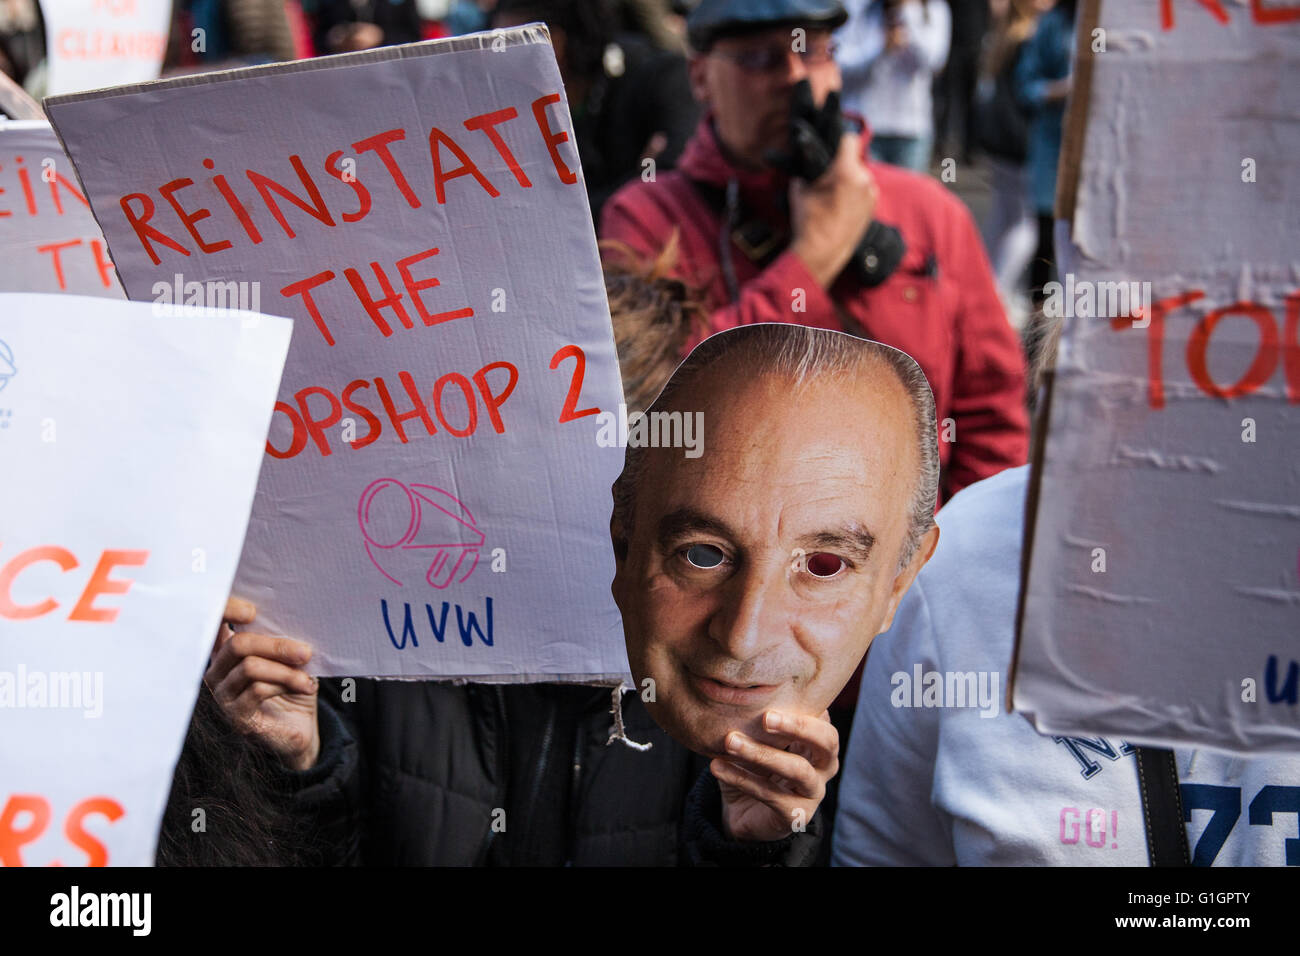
(950,320)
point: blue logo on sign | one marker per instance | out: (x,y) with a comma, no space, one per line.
(7,368)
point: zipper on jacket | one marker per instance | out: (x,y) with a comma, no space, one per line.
(575,781)
(503,766)
(590,728)
(543,759)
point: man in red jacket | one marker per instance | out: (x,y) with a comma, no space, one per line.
(784,253)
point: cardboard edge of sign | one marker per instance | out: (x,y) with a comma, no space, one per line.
(8,125)
(526,35)
(1073,138)
(606,680)
(16,103)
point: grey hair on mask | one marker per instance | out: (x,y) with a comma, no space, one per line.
(798,354)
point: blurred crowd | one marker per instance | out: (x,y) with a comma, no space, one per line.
(981,83)
(746,161)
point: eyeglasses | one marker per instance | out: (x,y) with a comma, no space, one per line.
(772,58)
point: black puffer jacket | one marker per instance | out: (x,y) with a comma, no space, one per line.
(439,774)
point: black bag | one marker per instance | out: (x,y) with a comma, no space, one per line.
(1001,124)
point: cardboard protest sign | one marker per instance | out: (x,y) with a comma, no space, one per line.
(435,500)
(131,440)
(1162,603)
(49,241)
(95,43)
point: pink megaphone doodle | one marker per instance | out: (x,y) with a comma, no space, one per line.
(415,529)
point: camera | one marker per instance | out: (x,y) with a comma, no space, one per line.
(814,139)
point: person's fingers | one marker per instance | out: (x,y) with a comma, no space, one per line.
(831,112)
(850,149)
(252,669)
(223,634)
(239,611)
(817,736)
(249,644)
(794,770)
(765,791)
(244,708)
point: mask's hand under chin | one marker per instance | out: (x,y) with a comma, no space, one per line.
(772,786)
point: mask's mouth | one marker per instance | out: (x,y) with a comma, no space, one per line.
(731,692)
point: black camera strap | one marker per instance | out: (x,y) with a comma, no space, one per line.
(1162,807)
(757,239)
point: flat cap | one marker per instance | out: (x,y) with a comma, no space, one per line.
(716,18)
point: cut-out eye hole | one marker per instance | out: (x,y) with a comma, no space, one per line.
(825,565)
(704,556)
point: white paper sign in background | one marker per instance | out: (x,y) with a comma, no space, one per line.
(96,43)
(434,501)
(1163,602)
(130,444)
(49,241)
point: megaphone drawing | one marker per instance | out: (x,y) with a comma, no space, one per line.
(7,368)
(418,530)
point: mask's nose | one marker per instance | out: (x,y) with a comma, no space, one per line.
(755,613)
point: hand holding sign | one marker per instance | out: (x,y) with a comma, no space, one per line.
(259,682)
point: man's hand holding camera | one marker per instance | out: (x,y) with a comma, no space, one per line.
(829,216)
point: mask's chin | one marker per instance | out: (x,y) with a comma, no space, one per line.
(704,730)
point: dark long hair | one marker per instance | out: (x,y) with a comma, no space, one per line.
(588,26)
(245,819)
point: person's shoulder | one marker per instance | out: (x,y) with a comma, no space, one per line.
(968,588)
(984,519)
(919,191)
(668,188)
(1000,493)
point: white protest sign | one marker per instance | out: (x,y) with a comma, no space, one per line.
(91,44)
(1163,604)
(49,241)
(131,441)
(434,500)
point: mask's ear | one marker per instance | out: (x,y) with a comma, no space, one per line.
(903,580)
(618,538)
